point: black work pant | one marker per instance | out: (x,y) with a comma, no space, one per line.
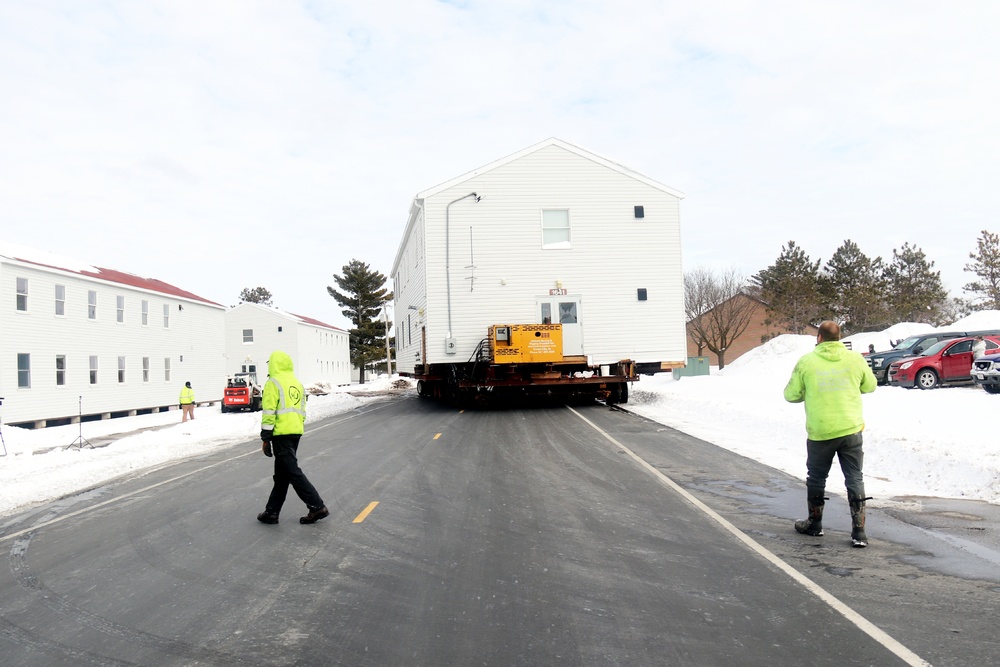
(287,471)
(820,453)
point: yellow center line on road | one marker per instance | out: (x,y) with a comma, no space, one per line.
(364,515)
(437,436)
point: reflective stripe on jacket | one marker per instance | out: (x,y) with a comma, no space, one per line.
(187,395)
(283,401)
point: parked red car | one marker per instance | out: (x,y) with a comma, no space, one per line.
(946,361)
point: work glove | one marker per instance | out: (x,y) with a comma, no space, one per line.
(265,446)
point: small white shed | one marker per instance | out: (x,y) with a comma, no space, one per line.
(320,352)
(552,233)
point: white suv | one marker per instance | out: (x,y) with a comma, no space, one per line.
(986,372)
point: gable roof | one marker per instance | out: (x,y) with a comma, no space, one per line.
(551,141)
(44,259)
(417,204)
(302,319)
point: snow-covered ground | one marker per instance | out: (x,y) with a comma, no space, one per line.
(925,443)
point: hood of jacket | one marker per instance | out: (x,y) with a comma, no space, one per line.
(831,350)
(279,362)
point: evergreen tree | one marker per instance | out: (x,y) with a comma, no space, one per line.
(915,291)
(790,288)
(986,266)
(256,295)
(362,300)
(853,290)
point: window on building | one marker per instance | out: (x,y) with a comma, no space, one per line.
(166,369)
(60,370)
(555,228)
(92,305)
(22,294)
(121,370)
(166,316)
(60,300)
(24,371)
(120,303)
(248,335)
(145,369)
(567,313)
(93,370)
(145,312)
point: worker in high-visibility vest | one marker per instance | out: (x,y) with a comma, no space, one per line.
(187,402)
(282,422)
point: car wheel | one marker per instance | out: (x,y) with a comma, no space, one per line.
(926,379)
(992,388)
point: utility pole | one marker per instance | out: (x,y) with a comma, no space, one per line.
(388,351)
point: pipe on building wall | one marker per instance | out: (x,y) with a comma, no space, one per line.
(447,250)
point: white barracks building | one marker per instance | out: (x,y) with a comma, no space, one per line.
(79,340)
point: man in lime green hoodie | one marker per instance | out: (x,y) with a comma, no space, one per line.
(830,380)
(282,423)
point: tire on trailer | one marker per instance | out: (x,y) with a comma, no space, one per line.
(422,389)
(619,393)
(926,378)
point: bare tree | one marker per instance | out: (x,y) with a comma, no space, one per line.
(718,309)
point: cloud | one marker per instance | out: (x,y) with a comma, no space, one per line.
(277,132)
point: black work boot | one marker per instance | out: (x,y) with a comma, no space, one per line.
(267,517)
(814,524)
(858,537)
(315,515)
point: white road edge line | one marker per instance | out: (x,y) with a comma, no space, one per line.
(854,617)
(59,519)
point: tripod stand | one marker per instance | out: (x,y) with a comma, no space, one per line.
(80,440)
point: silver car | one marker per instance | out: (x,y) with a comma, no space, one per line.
(986,372)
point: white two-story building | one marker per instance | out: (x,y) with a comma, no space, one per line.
(84,340)
(320,352)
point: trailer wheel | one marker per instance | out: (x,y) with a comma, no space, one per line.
(619,393)
(422,389)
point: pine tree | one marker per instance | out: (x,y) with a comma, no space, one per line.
(259,295)
(853,289)
(986,266)
(915,292)
(790,288)
(362,300)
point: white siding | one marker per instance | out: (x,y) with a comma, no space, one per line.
(319,354)
(193,342)
(409,291)
(613,254)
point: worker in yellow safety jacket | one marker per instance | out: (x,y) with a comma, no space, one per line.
(187,402)
(281,425)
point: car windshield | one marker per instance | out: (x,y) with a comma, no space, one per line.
(936,347)
(907,343)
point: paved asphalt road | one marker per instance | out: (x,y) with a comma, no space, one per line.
(545,536)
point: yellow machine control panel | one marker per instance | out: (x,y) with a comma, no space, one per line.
(526,343)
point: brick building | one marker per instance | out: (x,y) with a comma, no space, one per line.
(756,333)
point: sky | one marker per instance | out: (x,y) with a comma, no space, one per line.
(914,445)
(224,145)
